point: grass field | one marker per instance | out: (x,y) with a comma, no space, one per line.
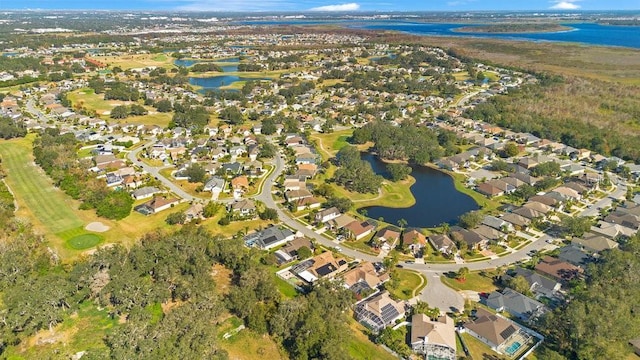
(84,241)
(138,61)
(480,351)
(248,344)
(37,198)
(474,281)
(361,348)
(409,284)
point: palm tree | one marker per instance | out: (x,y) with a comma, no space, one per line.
(462,273)
(445,228)
(402,223)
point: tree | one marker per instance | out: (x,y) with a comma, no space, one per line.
(115,205)
(510,149)
(422,307)
(520,284)
(164,106)
(137,110)
(340,203)
(119,112)
(195,173)
(269,214)
(267,151)
(176,218)
(211,209)
(402,223)
(232,114)
(268,126)
(462,273)
(549,168)
(304,253)
(575,226)
(398,171)
(471,219)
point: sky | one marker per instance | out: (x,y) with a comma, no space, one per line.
(326,5)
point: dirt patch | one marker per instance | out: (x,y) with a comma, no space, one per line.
(97,226)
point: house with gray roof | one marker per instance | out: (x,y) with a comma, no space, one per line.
(539,285)
(269,238)
(145,192)
(515,304)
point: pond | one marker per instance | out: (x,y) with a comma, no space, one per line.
(215,82)
(437,200)
(230,64)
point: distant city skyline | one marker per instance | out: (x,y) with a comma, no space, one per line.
(325,5)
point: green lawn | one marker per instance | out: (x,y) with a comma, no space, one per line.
(33,189)
(247,344)
(361,348)
(480,351)
(409,284)
(84,241)
(474,281)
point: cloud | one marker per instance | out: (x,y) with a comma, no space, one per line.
(565,5)
(337,7)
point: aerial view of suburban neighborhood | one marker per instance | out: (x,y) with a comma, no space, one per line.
(270,180)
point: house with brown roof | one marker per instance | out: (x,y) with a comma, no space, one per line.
(442,243)
(413,240)
(558,269)
(491,329)
(320,266)
(156,205)
(359,230)
(363,280)
(295,195)
(435,339)
(379,311)
(489,190)
(240,183)
(386,237)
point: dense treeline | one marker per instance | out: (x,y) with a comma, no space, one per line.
(171,273)
(573,112)
(416,144)
(204,67)
(121,91)
(9,129)
(354,173)
(190,117)
(56,155)
(603,314)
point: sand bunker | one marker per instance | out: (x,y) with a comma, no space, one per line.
(97,227)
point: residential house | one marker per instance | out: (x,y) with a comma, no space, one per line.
(516,304)
(269,238)
(442,243)
(244,207)
(528,213)
(195,211)
(489,233)
(558,269)
(289,252)
(498,224)
(156,205)
(413,240)
(320,266)
(491,329)
(215,185)
(340,222)
(574,255)
(379,311)
(240,183)
(435,339)
(611,230)
(307,203)
(594,243)
(359,230)
(472,239)
(539,285)
(489,190)
(145,192)
(295,195)
(519,222)
(363,279)
(386,238)
(327,215)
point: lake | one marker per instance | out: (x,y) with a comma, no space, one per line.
(588,33)
(215,82)
(231,67)
(437,200)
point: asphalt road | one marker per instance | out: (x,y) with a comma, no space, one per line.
(437,294)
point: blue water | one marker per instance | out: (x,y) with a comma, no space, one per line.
(513,348)
(437,200)
(213,83)
(588,33)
